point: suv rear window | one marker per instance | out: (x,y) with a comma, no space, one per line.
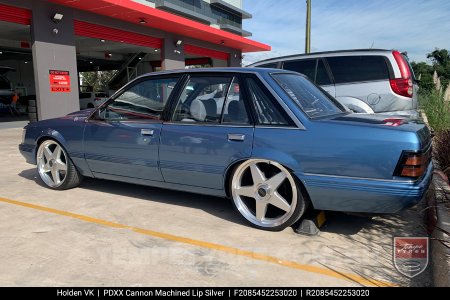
(358,68)
(313,68)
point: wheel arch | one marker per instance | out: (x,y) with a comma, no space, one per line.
(51,134)
(232,167)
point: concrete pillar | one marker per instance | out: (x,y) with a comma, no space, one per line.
(235,59)
(172,55)
(53,47)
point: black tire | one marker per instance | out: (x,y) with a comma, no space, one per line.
(90,105)
(72,177)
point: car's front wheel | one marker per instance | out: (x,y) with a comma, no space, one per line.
(55,168)
(266,194)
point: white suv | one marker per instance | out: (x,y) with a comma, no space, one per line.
(92,99)
(365,81)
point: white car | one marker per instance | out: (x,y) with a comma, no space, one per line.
(92,99)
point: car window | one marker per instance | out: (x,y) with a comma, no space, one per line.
(304,66)
(85,95)
(307,96)
(209,99)
(144,100)
(268,111)
(322,77)
(273,65)
(4,83)
(234,110)
(313,68)
(358,68)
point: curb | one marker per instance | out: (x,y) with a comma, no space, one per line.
(439,218)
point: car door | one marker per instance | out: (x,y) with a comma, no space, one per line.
(122,138)
(210,128)
(316,71)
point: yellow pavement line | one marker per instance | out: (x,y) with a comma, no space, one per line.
(252,255)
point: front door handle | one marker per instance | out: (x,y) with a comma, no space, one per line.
(236,137)
(149,132)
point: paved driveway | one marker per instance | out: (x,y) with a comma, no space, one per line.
(107,234)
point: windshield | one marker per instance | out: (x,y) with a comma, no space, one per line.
(313,101)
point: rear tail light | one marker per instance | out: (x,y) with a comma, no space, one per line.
(394,122)
(97,99)
(413,165)
(402,86)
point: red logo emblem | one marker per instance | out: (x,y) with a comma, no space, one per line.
(411,255)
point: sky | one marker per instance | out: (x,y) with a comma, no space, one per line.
(414,26)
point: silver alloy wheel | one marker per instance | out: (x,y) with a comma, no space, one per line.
(52,163)
(256,197)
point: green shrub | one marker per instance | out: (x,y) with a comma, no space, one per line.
(436,109)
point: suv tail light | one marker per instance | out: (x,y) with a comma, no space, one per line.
(97,99)
(402,86)
(413,164)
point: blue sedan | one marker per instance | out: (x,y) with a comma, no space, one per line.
(268,139)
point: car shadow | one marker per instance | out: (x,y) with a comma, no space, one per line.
(216,206)
(337,223)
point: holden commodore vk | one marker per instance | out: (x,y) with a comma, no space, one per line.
(268,139)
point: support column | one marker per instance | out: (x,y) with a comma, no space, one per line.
(235,59)
(172,55)
(53,48)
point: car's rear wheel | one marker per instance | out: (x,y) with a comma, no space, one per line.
(55,167)
(266,194)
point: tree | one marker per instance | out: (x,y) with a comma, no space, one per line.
(440,59)
(424,72)
(98,80)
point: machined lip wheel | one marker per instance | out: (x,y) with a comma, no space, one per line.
(264,192)
(52,163)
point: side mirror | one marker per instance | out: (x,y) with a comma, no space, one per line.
(98,115)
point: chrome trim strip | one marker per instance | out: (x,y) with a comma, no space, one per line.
(360,178)
(207,124)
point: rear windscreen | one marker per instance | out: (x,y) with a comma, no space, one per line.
(358,68)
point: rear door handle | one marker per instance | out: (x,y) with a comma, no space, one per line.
(236,137)
(149,132)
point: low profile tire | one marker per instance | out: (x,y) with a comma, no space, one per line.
(266,194)
(55,167)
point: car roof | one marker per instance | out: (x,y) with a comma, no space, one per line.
(324,53)
(218,70)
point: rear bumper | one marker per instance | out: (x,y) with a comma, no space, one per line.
(28,152)
(365,195)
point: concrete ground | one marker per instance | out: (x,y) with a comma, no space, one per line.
(105,233)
